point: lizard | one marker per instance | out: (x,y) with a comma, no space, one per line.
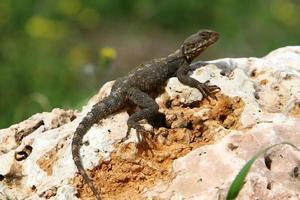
(135,88)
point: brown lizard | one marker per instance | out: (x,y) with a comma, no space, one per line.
(135,86)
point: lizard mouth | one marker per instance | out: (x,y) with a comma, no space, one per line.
(214,37)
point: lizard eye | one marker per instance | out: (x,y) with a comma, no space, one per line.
(204,35)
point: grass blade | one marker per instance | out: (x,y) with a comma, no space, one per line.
(238,182)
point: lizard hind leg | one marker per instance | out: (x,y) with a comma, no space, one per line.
(149,108)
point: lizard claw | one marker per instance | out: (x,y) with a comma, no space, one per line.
(144,140)
(142,134)
(126,136)
(124,139)
(144,143)
(208,90)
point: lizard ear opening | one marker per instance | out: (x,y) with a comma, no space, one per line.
(185,49)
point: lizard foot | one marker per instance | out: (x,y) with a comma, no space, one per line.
(143,137)
(208,90)
(144,143)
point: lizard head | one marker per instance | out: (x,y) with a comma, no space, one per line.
(198,42)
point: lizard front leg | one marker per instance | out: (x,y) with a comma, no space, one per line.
(204,88)
(148,106)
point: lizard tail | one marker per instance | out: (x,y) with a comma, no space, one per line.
(100,110)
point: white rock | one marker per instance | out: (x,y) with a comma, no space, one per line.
(258,105)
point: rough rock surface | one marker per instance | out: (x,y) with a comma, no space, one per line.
(194,153)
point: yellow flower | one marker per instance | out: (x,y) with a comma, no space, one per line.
(107,53)
(44,28)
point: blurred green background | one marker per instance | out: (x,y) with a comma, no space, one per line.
(59,53)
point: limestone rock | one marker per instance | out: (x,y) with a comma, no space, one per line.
(193,153)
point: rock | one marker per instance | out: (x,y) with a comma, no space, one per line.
(194,153)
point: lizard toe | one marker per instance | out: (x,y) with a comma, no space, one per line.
(208,91)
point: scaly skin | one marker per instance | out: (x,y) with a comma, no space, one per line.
(135,86)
